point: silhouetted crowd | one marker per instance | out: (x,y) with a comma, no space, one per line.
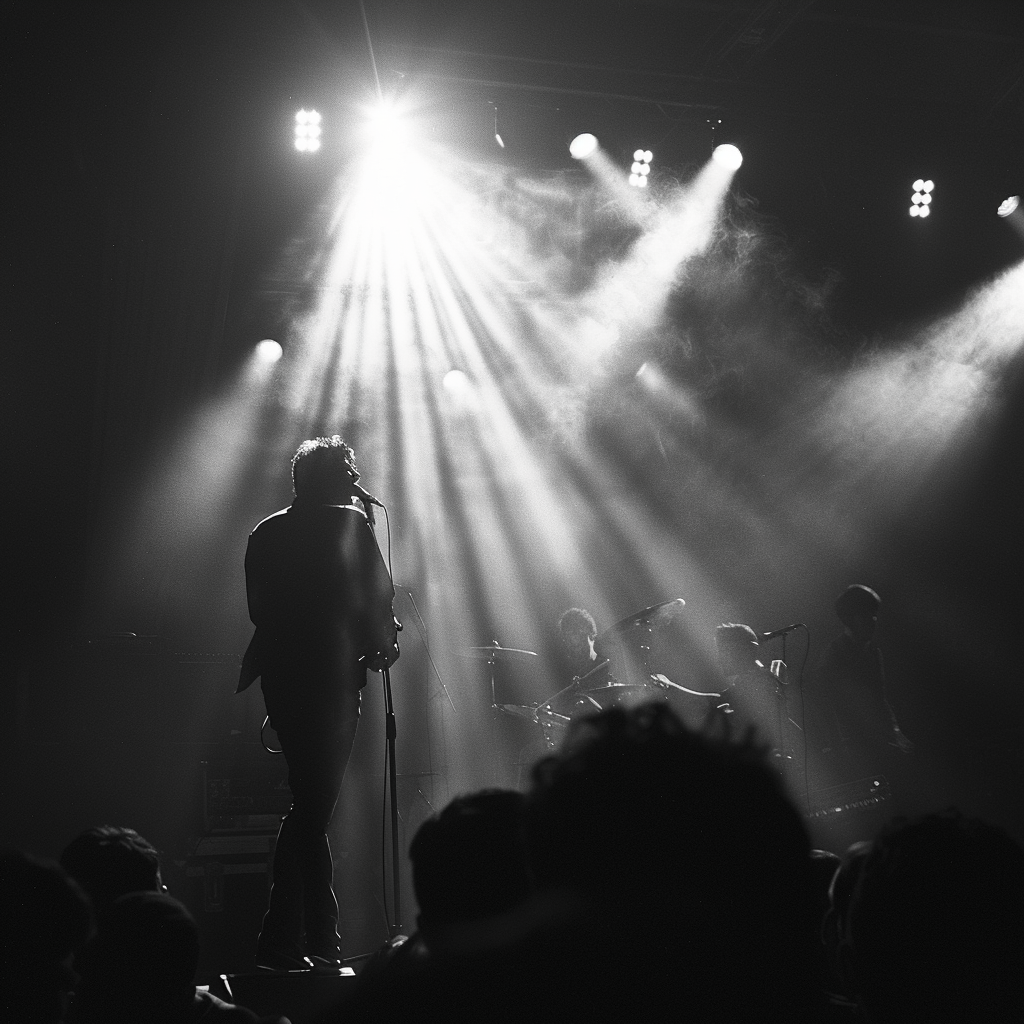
(651,872)
(96,939)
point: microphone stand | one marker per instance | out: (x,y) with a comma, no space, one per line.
(778,704)
(390,727)
(391,733)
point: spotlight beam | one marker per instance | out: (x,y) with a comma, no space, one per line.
(406,292)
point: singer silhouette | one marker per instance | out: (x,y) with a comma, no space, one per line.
(320,597)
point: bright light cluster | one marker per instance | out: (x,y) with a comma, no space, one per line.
(307,131)
(922,198)
(641,168)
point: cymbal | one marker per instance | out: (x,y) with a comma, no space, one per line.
(519,710)
(657,614)
(613,687)
(495,653)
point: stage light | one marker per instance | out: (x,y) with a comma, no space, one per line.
(922,197)
(269,351)
(307,131)
(387,128)
(497,135)
(641,168)
(728,156)
(456,383)
(1010,211)
(582,146)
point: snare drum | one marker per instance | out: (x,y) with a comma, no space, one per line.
(615,695)
(575,702)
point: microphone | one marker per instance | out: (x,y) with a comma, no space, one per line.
(773,633)
(365,496)
(367,499)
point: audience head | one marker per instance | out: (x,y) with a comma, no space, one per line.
(469,861)
(322,468)
(687,847)
(936,923)
(144,962)
(110,860)
(44,919)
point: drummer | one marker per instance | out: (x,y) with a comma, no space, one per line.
(577,631)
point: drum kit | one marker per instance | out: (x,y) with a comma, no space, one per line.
(622,675)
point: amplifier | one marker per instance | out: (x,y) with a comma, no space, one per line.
(850,797)
(245,798)
(227,888)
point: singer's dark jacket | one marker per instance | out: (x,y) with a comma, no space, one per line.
(320,597)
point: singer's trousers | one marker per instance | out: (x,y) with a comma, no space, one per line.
(303,905)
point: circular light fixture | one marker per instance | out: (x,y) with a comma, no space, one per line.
(269,351)
(582,146)
(728,156)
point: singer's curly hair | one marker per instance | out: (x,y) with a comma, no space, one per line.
(318,462)
(576,623)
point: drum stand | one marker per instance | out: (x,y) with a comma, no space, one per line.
(491,654)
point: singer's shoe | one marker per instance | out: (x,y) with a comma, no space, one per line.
(278,962)
(326,964)
(325,951)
